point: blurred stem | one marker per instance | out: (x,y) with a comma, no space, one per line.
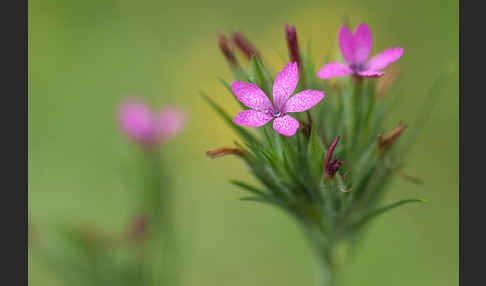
(322,250)
(158,262)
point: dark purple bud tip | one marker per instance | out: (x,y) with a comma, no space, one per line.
(245,46)
(331,166)
(226,49)
(293,44)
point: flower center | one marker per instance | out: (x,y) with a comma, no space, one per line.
(276,114)
(357,67)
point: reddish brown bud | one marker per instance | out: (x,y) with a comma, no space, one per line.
(386,142)
(293,45)
(227,50)
(138,229)
(220,152)
(245,46)
(331,166)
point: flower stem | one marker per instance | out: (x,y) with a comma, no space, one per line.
(321,248)
(325,275)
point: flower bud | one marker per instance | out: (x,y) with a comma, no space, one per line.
(245,46)
(331,166)
(385,143)
(227,50)
(221,152)
(293,45)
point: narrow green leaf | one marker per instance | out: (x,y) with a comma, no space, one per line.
(316,154)
(267,200)
(424,114)
(247,187)
(267,79)
(376,212)
(259,76)
(242,132)
(254,73)
(239,74)
(228,87)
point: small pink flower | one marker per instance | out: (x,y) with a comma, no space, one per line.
(142,125)
(355,49)
(263,110)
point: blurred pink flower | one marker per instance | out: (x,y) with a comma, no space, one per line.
(262,108)
(355,49)
(146,127)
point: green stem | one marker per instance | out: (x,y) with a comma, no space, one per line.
(321,248)
(158,258)
(325,275)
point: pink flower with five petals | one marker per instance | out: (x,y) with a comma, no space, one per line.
(263,110)
(356,48)
(149,128)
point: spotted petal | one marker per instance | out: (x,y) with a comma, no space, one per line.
(383,59)
(252,118)
(362,42)
(334,69)
(250,95)
(286,125)
(285,84)
(303,100)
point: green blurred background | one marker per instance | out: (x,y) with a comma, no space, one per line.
(85,56)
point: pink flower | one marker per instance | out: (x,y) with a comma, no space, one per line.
(355,49)
(142,125)
(263,110)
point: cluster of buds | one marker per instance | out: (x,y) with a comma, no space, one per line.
(332,190)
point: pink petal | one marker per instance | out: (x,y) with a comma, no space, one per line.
(252,118)
(286,125)
(250,95)
(346,44)
(135,119)
(303,100)
(385,58)
(169,123)
(334,69)
(362,41)
(285,84)
(370,73)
